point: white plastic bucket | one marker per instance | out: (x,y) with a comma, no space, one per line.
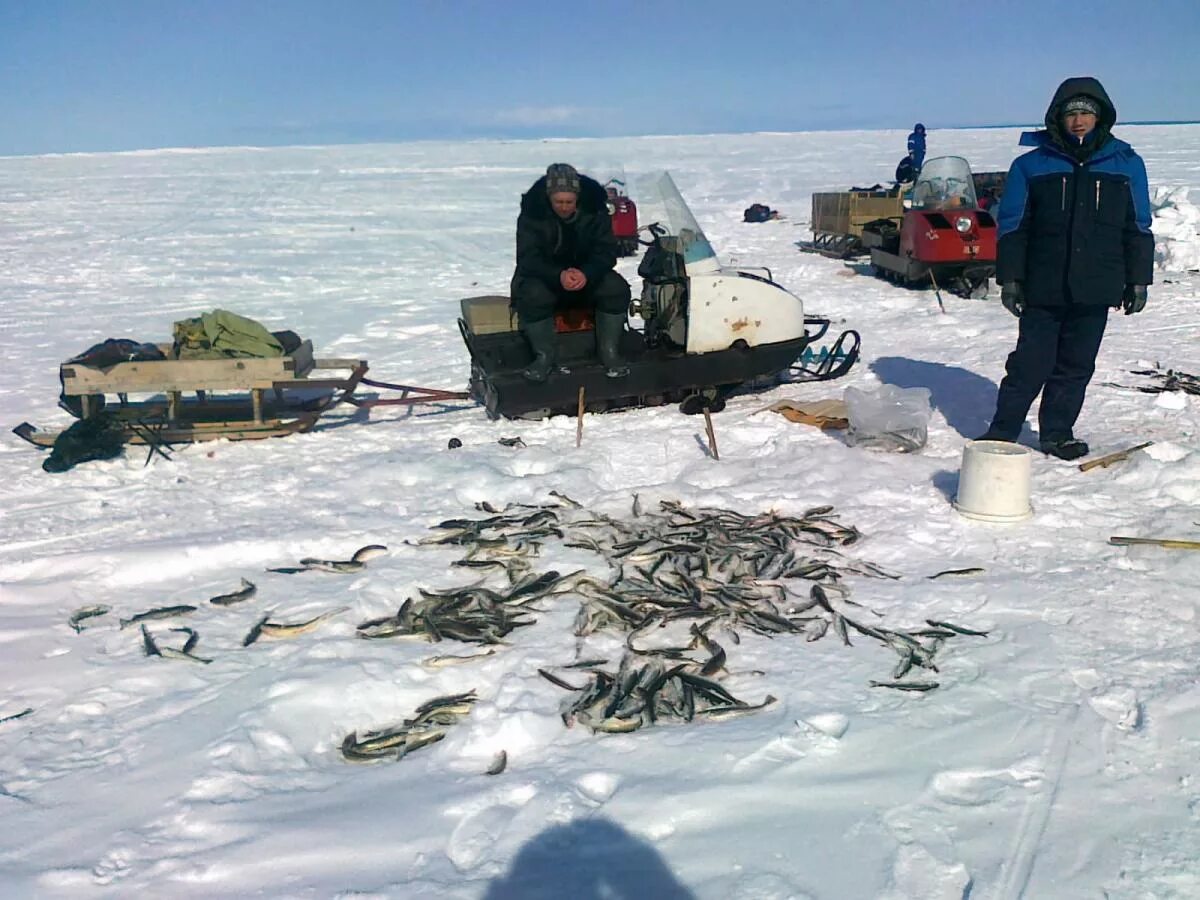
(993,483)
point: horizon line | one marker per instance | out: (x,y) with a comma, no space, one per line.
(544,138)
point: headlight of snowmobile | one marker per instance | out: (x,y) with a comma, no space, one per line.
(612,209)
(962,224)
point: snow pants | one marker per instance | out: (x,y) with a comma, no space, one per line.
(534,300)
(1056,356)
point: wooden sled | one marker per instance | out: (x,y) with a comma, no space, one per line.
(272,396)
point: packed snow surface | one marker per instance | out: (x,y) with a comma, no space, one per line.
(1058,757)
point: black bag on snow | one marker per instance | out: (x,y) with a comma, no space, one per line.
(756,212)
(97,437)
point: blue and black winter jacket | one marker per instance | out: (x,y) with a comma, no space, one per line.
(1074,219)
(916,145)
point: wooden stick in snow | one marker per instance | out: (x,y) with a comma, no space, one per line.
(937,292)
(712,438)
(1105,461)
(1170,543)
(579,419)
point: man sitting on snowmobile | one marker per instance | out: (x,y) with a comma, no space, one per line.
(565,257)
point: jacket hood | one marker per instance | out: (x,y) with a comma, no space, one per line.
(1073,87)
(592,198)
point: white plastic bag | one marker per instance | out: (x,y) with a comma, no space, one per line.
(888,418)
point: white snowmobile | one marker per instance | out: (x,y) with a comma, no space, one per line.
(708,329)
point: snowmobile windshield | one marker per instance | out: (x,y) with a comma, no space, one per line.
(664,200)
(944,183)
(615,186)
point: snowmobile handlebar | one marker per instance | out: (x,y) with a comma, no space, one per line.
(654,230)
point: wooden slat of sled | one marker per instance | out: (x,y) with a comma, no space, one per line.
(174,378)
(166,375)
(238,430)
(213,409)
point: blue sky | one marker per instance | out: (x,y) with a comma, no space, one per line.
(132,74)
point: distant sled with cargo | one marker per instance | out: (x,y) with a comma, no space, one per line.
(708,329)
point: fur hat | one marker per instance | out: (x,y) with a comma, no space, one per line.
(1081,103)
(560,178)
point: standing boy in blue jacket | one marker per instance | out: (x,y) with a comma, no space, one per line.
(1074,239)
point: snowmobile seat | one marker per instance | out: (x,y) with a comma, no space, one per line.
(491,314)
(574,318)
(494,314)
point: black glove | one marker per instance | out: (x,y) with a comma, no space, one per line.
(1134,298)
(1012,295)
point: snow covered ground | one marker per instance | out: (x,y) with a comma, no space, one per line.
(1059,758)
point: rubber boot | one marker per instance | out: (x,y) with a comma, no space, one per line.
(543,341)
(609,327)
(1064,447)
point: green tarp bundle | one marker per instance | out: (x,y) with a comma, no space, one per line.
(221,334)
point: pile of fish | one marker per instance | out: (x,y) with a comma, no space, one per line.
(645,689)
(471,614)
(681,585)
(427,726)
(679,577)
(1162,382)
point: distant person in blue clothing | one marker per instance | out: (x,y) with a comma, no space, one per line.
(1074,239)
(916,146)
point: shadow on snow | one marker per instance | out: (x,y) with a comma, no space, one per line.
(964,399)
(587,859)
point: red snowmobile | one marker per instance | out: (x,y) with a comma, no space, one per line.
(944,238)
(624,217)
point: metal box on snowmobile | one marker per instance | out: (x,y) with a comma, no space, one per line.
(708,329)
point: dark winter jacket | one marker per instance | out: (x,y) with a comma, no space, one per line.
(916,148)
(1074,220)
(546,244)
